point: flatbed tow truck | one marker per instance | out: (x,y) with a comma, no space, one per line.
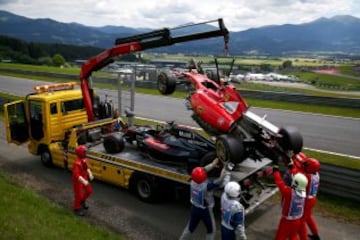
(54,119)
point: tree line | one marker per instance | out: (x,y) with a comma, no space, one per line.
(15,50)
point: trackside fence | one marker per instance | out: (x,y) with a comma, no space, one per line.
(340,181)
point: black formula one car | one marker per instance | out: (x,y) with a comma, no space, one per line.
(172,143)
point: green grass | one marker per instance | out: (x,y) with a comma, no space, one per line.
(338,208)
(26,215)
(337,160)
(37,68)
(312,92)
(326,110)
(327,81)
(349,70)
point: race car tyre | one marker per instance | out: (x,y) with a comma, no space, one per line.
(291,139)
(166,83)
(229,149)
(114,143)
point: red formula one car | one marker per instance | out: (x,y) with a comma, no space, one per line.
(221,111)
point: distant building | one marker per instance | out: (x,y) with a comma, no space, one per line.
(169,63)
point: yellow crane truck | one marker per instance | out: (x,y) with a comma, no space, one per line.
(56,118)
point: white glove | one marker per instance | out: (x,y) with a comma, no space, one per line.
(225,176)
(83,181)
(230,166)
(212,165)
(91,176)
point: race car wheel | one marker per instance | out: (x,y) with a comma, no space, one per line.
(229,149)
(291,139)
(114,143)
(166,83)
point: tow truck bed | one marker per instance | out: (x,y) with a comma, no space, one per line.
(133,159)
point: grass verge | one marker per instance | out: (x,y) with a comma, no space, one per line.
(337,160)
(338,208)
(26,215)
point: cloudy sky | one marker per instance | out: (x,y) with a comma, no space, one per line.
(237,14)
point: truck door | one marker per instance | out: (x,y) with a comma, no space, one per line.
(36,113)
(17,129)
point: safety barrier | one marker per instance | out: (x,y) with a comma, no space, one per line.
(340,181)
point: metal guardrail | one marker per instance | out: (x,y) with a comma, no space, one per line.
(340,181)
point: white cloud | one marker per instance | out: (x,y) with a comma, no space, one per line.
(237,14)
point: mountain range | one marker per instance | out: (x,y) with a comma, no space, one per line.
(339,34)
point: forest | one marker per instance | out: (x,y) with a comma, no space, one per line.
(15,50)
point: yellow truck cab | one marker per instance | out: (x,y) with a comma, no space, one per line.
(44,117)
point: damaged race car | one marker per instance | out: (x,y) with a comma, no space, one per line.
(221,111)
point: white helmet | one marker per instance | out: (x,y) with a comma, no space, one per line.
(299,183)
(232,189)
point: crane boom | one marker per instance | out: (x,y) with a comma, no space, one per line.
(136,43)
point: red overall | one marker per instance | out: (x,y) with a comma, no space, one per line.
(308,219)
(81,191)
(292,211)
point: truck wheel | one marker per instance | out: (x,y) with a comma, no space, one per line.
(291,139)
(145,187)
(114,143)
(46,158)
(166,83)
(229,149)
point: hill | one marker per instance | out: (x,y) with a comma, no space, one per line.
(339,34)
